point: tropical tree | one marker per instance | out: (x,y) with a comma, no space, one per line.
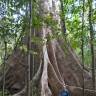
(43,61)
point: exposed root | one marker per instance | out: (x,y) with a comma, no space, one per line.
(45,90)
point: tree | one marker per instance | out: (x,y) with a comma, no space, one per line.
(56,65)
(91,43)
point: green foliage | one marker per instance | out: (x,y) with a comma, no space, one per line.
(73,20)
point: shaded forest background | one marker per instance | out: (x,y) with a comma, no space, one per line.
(79,28)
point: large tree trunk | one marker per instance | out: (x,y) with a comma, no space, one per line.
(56,64)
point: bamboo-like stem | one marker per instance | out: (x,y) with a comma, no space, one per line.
(82,43)
(91,43)
(4,66)
(29,49)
